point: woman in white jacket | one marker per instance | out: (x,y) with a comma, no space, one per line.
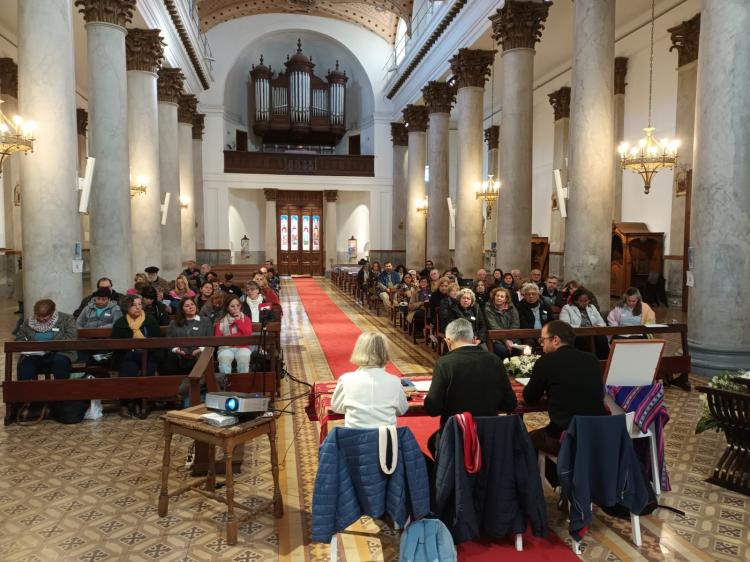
(580,313)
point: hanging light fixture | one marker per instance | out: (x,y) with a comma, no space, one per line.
(489,190)
(16,135)
(649,156)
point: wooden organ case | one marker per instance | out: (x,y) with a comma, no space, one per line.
(296,107)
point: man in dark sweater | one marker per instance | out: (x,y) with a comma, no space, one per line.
(572,381)
(467,379)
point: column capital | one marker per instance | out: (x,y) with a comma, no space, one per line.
(439,96)
(8,77)
(169,84)
(471,67)
(560,101)
(271,194)
(519,25)
(116,12)
(331,195)
(187,108)
(198,125)
(621,71)
(82,121)
(399,134)
(415,118)
(492,137)
(144,49)
(685,39)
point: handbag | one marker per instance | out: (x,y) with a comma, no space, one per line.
(260,359)
(31,413)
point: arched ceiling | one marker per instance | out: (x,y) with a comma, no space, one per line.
(378,16)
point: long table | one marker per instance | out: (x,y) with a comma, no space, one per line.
(319,405)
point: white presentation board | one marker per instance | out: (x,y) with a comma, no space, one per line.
(633,362)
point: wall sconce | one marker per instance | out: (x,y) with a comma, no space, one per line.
(352,248)
(422,207)
(184,202)
(140,186)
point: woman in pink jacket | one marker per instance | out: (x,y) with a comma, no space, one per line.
(234,324)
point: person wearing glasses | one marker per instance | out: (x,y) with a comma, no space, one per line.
(570,378)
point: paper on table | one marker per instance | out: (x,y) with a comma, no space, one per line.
(33,352)
(523,380)
(422,386)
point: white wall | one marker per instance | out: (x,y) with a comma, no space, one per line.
(247,212)
(353,218)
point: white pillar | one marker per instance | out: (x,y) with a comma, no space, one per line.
(439,98)
(621,70)
(46,88)
(185,112)
(9,171)
(110,238)
(200,225)
(400,140)
(588,232)
(144,51)
(560,101)
(331,196)
(415,118)
(169,86)
(719,313)
(270,226)
(517,26)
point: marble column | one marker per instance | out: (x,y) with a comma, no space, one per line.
(621,70)
(415,118)
(685,38)
(331,196)
(470,68)
(517,27)
(82,123)
(560,101)
(200,226)
(110,239)
(11,166)
(492,138)
(439,98)
(49,175)
(588,233)
(168,88)
(271,244)
(185,112)
(400,154)
(145,52)
(718,309)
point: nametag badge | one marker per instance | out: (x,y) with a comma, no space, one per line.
(195,328)
(55,329)
(472,318)
(107,313)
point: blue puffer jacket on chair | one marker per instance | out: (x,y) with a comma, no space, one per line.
(350,482)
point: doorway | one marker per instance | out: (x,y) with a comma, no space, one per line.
(300,233)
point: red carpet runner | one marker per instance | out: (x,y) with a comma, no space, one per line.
(337,336)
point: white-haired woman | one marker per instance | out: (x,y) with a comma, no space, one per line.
(465,306)
(369,397)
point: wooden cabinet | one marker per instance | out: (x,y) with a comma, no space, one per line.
(637,257)
(540,254)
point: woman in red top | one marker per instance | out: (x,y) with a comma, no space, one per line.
(269,294)
(234,324)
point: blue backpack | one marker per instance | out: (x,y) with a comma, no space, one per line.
(427,540)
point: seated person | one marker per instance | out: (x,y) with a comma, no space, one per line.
(533,312)
(252,301)
(551,294)
(234,324)
(187,324)
(571,380)
(46,324)
(139,280)
(388,281)
(631,311)
(465,306)
(418,305)
(100,312)
(362,274)
(467,379)
(269,294)
(152,277)
(508,283)
(497,278)
(153,306)
(369,397)
(428,267)
(501,314)
(570,287)
(193,274)
(434,277)
(205,269)
(582,314)
(404,292)
(481,276)
(274,281)
(104,282)
(481,293)
(517,277)
(204,294)
(214,308)
(448,304)
(228,287)
(181,290)
(535,276)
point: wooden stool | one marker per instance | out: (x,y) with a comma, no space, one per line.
(187,422)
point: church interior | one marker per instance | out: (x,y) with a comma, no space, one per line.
(291,172)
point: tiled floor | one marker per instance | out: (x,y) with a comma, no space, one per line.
(88,492)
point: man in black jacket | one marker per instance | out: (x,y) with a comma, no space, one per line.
(572,381)
(103,283)
(467,379)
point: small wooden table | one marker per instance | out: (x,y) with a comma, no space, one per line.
(187,422)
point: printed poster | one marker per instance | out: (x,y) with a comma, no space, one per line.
(316,233)
(294,233)
(306,233)
(284,219)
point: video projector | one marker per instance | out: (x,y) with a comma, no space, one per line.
(237,403)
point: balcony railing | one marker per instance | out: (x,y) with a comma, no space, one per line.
(239,162)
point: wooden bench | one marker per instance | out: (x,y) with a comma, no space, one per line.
(668,366)
(242,272)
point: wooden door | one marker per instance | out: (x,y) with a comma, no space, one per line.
(299,232)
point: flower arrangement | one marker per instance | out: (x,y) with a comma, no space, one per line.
(723,381)
(520,365)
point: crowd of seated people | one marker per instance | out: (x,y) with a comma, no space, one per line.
(194,305)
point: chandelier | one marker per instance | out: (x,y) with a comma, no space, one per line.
(16,135)
(489,192)
(649,156)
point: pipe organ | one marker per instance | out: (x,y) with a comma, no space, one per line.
(295,106)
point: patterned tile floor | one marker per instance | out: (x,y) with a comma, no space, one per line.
(88,492)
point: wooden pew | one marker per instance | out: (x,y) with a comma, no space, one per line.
(668,366)
(242,272)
